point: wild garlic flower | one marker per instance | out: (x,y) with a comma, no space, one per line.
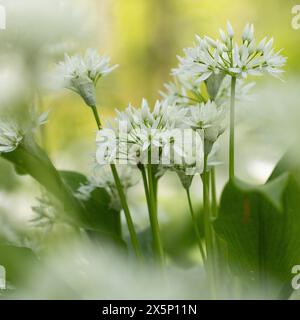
(182,92)
(185,92)
(226,56)
(10,137)
(82,73)
(102,178)
(12,132)
(192,160)
(84,191)
(209,118)
(195,163)
(141,133)
(242,91)
(46,213)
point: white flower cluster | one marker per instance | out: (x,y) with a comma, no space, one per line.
(10,137)
(209,118)
(81,73)
(226,56)
(12,133)
(185,91)
(102,178)
(171,137)
(143,136)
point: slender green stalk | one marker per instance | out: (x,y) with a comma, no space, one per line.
(231,134)
(132,232)
(206,207)
(97,118)
(123,200)
(145,182)
(157,245)
(196,227)
(155,188)
(208,228)
(214,204)
(153,221)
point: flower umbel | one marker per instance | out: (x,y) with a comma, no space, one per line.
(102,178)
(225,55)
(138,131)
(10,137)
(82,73)
(209,118)
(12,132)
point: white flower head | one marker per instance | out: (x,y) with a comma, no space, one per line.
(12,131)
(81,74)
(183,91)
(191,153)
(84,191)
(229,57)
(146,129)
(242,91)
(10,136)
(209,118)
(103,176)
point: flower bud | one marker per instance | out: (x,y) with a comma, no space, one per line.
(230,30)
(86,89)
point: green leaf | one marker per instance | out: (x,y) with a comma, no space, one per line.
(18,262)
(290,162)
(99,215)
(261,226)
(94,214)
(29,158)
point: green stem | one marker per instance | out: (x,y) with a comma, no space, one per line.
(157,245)
(123,200)
(145,182)
(155,188)
(97,118)
(153,221)
(132,232)
(208,228)
(214,203)
(195,224)
(231,134)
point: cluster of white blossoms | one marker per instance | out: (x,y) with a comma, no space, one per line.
(228,57)
(81,73)
(10,137)
(171,137)
(102,178)
(161,136)
(12,132)
(184,91)
(209,118)
(197,101)
(171,134)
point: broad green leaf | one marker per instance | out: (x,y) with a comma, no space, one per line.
(94,214)
(261,226)
(18,262)
(29,158)
(99,215)
(290,162)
